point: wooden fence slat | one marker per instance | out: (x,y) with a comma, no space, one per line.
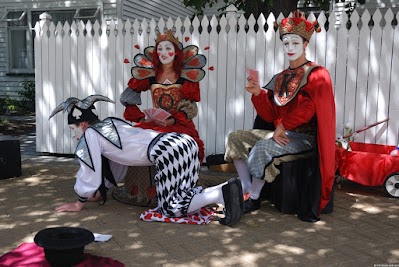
(104,74)
(195,40)
(74,71)
(351,77)
(222,77)
(203,106)
(119,70)
(373,77)
(46,88)
(342,45)
(250,57)
(384,86)
(393,129)
(210,145)
(363,70)
(240,75)
(231,80)
(59,96)
(112,51)
(38,41)
(66,85)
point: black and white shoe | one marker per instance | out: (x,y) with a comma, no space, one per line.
(234,204)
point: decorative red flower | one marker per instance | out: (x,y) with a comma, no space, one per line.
(186,39)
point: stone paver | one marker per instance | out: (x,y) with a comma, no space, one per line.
(361,231)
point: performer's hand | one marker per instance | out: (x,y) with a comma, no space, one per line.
(279,135)
(74,206)
(167,122)
(253,87)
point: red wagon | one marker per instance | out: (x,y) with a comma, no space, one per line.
(370,165)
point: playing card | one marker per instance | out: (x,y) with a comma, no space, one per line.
(101,237)
(254,74)
(157,114)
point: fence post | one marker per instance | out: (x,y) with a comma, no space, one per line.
(45,18)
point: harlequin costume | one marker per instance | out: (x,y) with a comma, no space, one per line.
(108,147)
(178,98)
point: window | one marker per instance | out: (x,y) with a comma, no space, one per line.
(20,33)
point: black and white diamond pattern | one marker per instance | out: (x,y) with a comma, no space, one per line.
(175,157)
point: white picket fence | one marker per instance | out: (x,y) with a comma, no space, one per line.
(79,60)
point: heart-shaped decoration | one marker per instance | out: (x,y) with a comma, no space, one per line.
(211,68)
(126,61)
(137,46)
(186,39)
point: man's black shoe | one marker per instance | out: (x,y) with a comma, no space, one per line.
(233,202)
(251,205)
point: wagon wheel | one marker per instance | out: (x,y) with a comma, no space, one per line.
(391,184)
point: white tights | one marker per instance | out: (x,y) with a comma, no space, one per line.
(208,196)
(253,186)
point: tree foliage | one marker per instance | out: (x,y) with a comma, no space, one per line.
(256,7)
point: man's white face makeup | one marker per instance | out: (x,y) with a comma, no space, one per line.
(77,131)
(293,46)
(166,52)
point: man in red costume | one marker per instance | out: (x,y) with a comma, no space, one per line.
(172,74)
(299,101)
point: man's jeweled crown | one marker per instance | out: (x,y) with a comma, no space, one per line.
(168,36)
(298,25)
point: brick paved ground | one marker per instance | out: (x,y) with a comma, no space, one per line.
(362,231)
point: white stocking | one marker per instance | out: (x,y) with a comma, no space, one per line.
(208,196)
(256,188)
(243,173)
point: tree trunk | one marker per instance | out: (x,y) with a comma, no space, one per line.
(278,6)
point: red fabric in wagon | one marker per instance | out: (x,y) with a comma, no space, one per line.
(367,164)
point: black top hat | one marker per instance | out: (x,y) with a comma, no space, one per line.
(63,246)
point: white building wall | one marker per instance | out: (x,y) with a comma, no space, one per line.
(10,83)
(138,9)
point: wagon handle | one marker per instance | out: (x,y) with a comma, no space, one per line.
(365,128)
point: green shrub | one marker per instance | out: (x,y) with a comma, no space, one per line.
(7,105)
(27,94)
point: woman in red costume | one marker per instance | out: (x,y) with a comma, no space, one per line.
(172,74)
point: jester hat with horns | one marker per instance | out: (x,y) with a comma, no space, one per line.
(80,110)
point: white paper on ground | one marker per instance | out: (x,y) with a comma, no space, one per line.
(101,238)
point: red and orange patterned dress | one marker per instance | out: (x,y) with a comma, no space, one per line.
(167,97)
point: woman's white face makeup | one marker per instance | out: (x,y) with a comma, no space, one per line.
(166,52)
(293,46)
(77,131)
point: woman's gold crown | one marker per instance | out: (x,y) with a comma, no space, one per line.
(168,36)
